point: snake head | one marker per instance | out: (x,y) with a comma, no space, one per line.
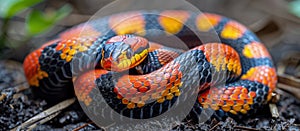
(124,52)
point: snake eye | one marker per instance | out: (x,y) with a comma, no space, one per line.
(129,54)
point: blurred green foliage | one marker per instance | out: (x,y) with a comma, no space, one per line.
(9,8)
(294,7)
(37,22)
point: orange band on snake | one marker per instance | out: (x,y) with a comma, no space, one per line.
(235,75)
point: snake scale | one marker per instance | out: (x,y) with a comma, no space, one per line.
(232,76)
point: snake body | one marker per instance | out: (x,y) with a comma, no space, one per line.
(246,76)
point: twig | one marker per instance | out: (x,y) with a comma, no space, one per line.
(2,97)
(289,80)
(245,128)
(80,127)
(42,121)
(274,110)
(13,90)
(214,126)
(21,87)
(47,113)
(286,79)
(292,90)
(275,97)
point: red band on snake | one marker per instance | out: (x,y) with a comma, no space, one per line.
(239,59)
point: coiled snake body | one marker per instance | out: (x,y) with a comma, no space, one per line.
(239,61)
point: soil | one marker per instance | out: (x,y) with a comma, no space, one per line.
(17,108)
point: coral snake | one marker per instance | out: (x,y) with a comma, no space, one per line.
(233,75)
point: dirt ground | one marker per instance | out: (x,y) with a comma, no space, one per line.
(16,110)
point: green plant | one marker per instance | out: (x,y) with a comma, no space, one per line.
(37,22)
(294,7)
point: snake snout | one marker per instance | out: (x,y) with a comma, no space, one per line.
(124,52)
(113,55)
(121,52)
